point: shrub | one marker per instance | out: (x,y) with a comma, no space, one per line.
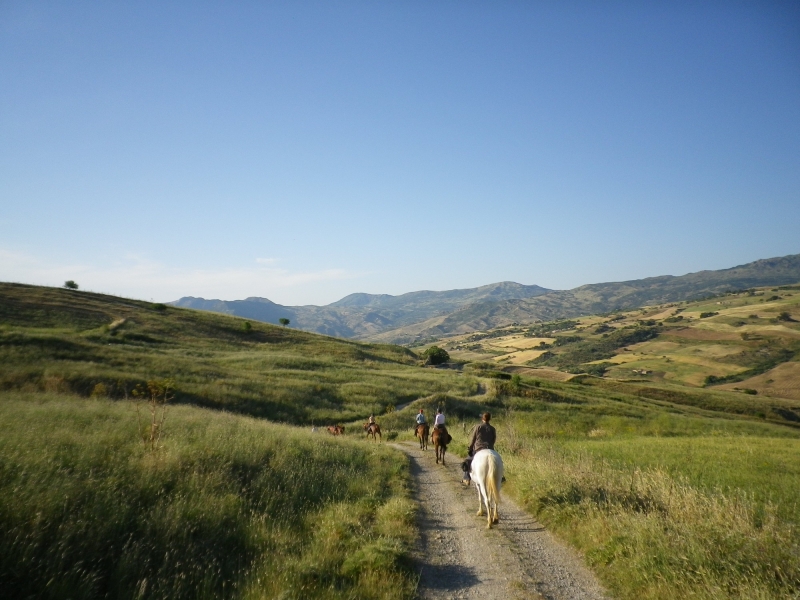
(435,356)
(705,315)
(785,316)
(70,285)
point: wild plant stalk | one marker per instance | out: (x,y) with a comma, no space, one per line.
(157,395)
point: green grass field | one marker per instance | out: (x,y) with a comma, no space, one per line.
(228,507)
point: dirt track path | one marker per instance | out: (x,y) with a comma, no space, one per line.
(459,558)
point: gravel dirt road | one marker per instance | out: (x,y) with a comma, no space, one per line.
(458,558)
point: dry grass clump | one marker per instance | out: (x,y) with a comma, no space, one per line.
(650,534)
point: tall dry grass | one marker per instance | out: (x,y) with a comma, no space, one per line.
(226,507)
(650,534)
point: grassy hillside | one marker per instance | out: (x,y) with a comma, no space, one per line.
(66,341)
(227,507)
(745,341)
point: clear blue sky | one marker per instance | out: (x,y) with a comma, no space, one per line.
(302,151)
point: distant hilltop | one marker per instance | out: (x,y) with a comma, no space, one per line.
(427,314)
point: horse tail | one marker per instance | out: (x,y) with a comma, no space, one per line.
(492,493)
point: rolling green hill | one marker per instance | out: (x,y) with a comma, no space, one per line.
(59,340)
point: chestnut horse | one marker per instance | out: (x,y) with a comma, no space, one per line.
(372,429)
(440,439)
(336,429)
(487,473)
(421,431)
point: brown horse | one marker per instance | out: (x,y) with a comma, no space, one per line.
(440,439)
(373,429)
(336,429)
(421,431)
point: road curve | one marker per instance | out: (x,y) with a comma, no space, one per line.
(458,558)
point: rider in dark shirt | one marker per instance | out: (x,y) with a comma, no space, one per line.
(482,438)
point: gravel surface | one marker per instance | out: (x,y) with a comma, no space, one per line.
(457,557)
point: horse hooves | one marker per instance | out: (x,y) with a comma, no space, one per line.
(479,513)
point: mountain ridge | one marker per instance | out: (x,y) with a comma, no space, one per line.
(362,315)
(425,314)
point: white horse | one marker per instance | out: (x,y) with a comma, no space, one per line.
(487,473)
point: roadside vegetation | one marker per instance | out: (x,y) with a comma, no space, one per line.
(668,493)
(225,507)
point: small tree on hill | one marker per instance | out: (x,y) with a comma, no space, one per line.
(247,326)
(70,285)
(785,316)
(435,356)
(284,321)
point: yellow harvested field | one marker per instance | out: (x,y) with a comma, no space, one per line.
(521,343)
(781,382)
(663,314)
(519,358)
(655,347)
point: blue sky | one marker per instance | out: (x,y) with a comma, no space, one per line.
(302,151)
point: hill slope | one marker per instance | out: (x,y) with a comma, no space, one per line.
(59,340)
(600,298)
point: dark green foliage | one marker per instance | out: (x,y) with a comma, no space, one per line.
(547,329)
(247,326)
(70,285)
(567,339)
(674,319)
(435,355)
(705,315)
(284,321)
(785,316)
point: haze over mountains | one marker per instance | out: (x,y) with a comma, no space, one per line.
(425,314)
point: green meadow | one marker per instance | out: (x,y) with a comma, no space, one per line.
(228,507)
(668,490)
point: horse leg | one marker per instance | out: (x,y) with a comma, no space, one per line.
(481,499)
(444,449)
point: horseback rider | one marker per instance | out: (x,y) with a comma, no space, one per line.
(371,420)
(421,420)
(482,438)
(438,422)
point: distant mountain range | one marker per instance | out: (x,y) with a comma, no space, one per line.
(362,316)
(426,314)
